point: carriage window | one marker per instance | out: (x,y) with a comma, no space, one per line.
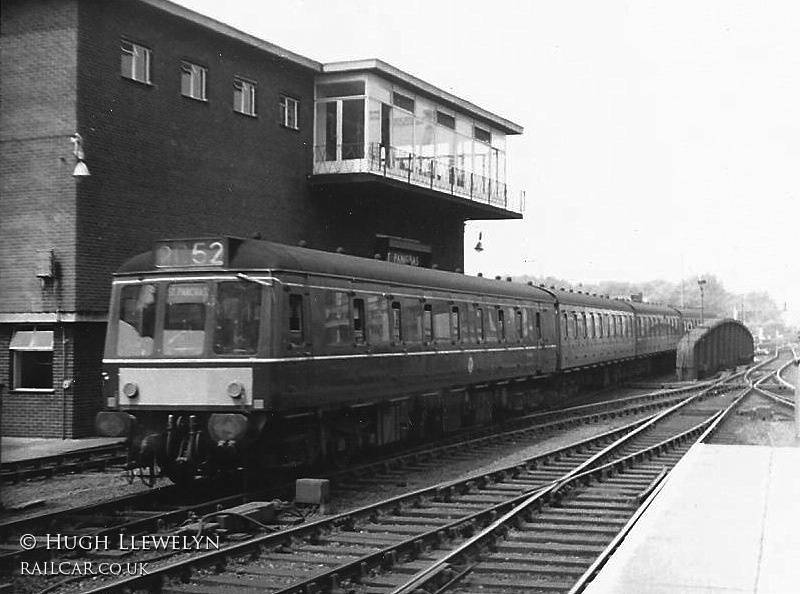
(441,321)
(585,328)
(538,325)
(479,325)
(336,309)
(427,323)
(574,326)
(490,324)
(412,320)
(358,321)
(565,330)
(501,325)
(520,324)
(137,321)
(455,323)
(237,315)
(377,320)
(397,322)
(185,319)
(296,319)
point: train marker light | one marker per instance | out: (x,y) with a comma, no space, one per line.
(131,390)
(235,389)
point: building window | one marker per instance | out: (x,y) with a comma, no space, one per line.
(135,61)
(482,135)
(446,120)
(244,96)
(403,101)
(193,81)
(289,112)
(32,360)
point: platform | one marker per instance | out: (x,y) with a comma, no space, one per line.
(726,521)
(17,449)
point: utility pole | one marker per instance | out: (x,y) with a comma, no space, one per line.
(701,283)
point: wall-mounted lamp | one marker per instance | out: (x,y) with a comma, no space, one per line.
(479,245)
(81,170)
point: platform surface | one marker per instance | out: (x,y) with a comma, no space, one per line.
(727,521)
(17,449)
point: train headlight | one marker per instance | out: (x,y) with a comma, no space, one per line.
(236,389)
(131,390)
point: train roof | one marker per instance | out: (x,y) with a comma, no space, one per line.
(567,298)
(255,255)
(652,309)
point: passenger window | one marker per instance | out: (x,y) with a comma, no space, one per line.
(490,322)
(479,325)
(397,323)
(501,325)
(359,336)
(336,309)
(455,324)
(565,331)
(441,321)
(520,324)
(377,320)
(427,323)
(412,321)
(538,325)
(296,320)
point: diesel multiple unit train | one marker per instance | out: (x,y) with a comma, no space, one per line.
(228,352)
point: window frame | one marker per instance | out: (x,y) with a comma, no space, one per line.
(20,354)
(197,74)
(146,67)
(284,103)
(244,91)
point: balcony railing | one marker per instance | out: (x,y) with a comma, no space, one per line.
(417,170)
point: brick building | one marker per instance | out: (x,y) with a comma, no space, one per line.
(127,122)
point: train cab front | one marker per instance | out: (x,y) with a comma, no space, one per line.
(179,370)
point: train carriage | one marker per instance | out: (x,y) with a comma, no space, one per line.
(219,349)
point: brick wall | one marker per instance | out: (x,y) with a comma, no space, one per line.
(164,165)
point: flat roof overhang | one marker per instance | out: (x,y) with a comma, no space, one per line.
(467,209)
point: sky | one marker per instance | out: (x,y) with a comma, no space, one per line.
(661,139)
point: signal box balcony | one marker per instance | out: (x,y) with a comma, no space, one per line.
(374,123)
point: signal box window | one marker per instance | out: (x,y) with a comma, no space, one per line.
(193,81)
(32,359)
(377,320)
(185,319)
(358,321)
(137,321)
(289,109)
(135,63)
(237,318)
(244,96)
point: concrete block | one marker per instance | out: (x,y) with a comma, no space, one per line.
(314,491)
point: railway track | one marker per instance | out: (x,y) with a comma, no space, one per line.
(97,458)
(377,548)
(164,510)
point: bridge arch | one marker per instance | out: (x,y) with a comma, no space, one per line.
(715,345)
